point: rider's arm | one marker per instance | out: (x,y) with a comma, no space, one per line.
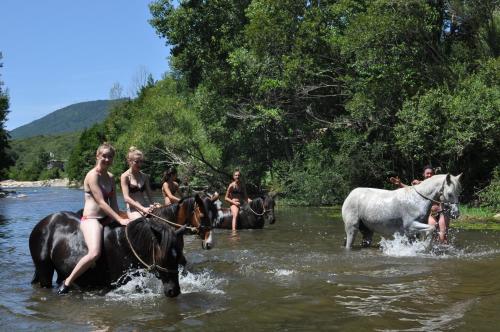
(397,182)
(93,184)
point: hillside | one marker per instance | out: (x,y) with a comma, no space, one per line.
(27,150)
(68,119)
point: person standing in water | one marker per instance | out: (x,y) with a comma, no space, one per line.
(236,195)
(436,216)
(100,208)
(135,184)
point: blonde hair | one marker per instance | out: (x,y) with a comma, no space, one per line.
(133,151)
(105,146)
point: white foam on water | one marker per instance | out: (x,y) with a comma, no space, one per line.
(145,286)
(202,281)
(142,286)
(282,272)
(401,246)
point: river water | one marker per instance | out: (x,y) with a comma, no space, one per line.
(291,276)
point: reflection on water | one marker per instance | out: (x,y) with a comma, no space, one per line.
(293,275)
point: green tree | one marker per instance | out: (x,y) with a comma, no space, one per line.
(5,157)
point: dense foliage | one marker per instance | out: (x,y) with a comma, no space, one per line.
(314,98)
(31,155)
(5,160)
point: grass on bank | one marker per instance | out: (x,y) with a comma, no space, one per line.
(471,218)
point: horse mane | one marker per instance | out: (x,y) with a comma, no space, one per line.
(432,181)
(257,204)
(144,232)
(169,211)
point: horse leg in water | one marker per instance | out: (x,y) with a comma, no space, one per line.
(351,220)
(418,227)
(39,248)
(367,235)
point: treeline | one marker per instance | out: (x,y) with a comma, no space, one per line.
(314,98)
(33,155)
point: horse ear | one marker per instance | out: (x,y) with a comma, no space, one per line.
(459,177)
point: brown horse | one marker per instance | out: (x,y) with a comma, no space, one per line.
(57,243)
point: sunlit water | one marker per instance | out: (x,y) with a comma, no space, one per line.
(293,275)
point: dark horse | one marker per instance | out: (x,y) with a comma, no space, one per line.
(56,243)
(253,215)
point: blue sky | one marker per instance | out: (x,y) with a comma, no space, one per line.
(56,53)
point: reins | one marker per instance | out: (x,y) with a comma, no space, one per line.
(428,198)
(153,267)
(191,228)
(259,214)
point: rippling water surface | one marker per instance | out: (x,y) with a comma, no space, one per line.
(293,275)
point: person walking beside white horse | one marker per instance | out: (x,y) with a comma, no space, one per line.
(403,210)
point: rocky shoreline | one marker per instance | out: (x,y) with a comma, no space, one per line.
(5,184)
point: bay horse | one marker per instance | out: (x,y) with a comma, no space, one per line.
(405,210)
(57,243)
(253,215)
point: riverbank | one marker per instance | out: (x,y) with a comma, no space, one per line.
(8,184)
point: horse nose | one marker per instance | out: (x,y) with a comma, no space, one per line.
(172,291)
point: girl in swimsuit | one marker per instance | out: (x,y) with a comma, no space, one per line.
(435,216)
(236,195)
(134,183)
(170,186)
(100,203)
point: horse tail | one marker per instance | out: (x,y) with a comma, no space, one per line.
(350,217)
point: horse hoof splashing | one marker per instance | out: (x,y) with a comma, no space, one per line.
(402,211)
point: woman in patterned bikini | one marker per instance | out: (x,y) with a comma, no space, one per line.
(100,206)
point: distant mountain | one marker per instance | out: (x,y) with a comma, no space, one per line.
(71,118)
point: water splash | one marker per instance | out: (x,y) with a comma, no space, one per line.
(145,286)
(401,246)
(202,281)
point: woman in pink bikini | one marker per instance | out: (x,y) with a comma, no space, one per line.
(100,207)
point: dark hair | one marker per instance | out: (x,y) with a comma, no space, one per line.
(428,167)
(171,171)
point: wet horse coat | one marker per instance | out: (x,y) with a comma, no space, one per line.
(252,216)
(57,244)
(403,210)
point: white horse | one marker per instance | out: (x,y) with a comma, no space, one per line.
(403,210)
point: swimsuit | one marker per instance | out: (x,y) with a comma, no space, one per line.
(102,220)
(106,194)
(136,187)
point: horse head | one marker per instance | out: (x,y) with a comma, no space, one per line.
(450,194)
(269,204)
(155,246)
(195,212)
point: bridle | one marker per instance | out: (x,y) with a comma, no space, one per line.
(264,211)
(153,268)
(446,206)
